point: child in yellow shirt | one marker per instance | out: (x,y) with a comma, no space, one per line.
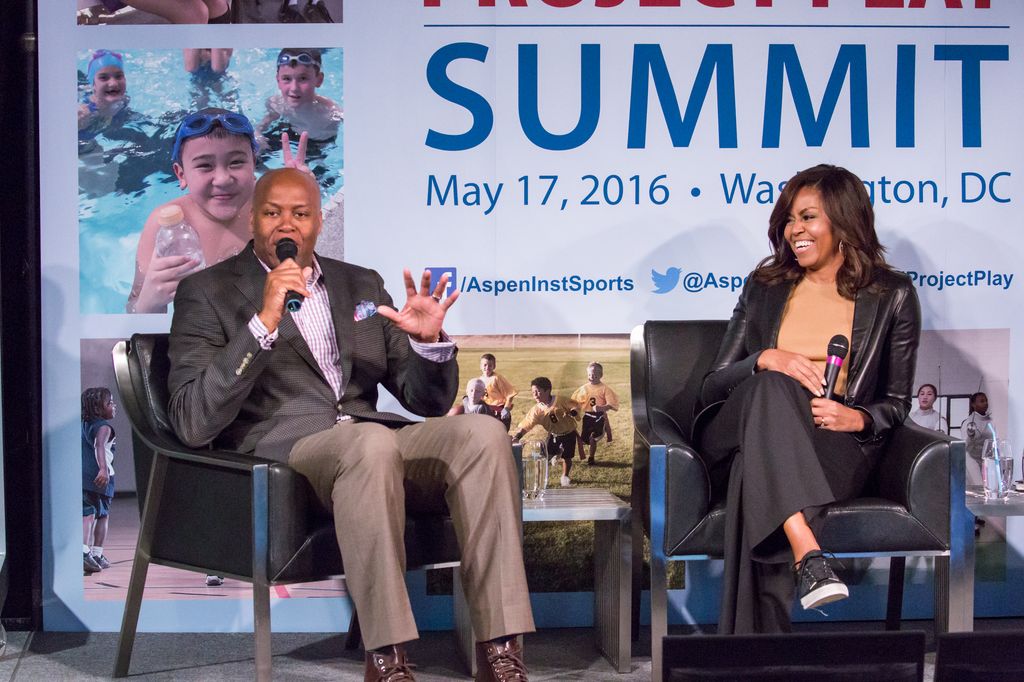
(498,391)
(596,399)
(557,415)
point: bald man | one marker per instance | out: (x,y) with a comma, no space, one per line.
(301,387)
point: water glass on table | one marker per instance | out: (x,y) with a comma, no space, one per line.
(535,470)
(997,468)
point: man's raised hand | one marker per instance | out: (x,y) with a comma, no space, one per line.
(423,313)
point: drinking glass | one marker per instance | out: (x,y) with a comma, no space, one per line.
(535,470)
(996,468)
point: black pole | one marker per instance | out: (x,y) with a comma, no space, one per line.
(20,355)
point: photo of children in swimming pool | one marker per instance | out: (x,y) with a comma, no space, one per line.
(134,12)
(191,148)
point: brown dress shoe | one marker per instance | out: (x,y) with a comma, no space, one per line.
(500,662)
(388,664)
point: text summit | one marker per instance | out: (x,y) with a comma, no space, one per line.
(849,72)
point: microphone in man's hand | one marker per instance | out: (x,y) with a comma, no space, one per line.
(838,347)
(285,249)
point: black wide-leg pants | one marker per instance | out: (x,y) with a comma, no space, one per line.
(764,451)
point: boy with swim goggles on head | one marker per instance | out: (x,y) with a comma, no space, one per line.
(297,104)
(214,159)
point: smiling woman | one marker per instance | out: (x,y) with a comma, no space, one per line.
(777,448)
(809,233)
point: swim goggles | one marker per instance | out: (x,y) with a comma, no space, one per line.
(303,58)
(201,122)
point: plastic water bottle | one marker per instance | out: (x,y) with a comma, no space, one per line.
(177,238)
(535,470)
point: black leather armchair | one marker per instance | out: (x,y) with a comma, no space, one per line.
(236,515)
(914,505)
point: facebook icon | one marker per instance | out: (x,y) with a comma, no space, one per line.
(435,277)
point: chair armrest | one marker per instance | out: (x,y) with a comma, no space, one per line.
(173,448)
(678,483)
(665,430)
(915,471)
(648,434)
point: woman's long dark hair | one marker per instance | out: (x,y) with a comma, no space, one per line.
(846,203)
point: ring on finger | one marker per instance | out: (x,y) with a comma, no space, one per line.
(436,297)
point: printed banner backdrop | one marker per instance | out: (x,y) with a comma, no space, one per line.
(578,166)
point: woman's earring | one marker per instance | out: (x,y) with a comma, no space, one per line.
(842,246)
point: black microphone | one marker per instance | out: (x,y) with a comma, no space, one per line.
(838,347)
(285,249)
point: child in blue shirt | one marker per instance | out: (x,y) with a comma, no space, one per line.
(98,442)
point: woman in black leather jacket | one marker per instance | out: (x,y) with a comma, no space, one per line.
(770,437)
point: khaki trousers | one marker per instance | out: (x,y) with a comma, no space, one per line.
(368,475)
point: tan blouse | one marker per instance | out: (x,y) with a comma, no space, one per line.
(814,314)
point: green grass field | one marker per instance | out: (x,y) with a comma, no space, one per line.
(559,556)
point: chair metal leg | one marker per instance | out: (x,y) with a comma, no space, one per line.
(954,591)
(260,580)
(261,629)
(140,567)
(659,611)
(954,575)
(894,606)
(355,634)
(659,579)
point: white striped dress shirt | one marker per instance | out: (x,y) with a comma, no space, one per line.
(317,328)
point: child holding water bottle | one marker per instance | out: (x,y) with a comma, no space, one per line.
(214,159)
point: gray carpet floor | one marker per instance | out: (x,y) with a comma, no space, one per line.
(551,655)
(564,654)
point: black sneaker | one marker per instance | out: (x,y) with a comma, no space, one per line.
(214,581)
(817,583)
(101,561)
(89,564)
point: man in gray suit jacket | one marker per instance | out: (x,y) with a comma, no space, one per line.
(301,387)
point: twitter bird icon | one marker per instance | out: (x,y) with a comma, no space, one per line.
(664,283)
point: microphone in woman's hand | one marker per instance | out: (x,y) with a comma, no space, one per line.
(838,347)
